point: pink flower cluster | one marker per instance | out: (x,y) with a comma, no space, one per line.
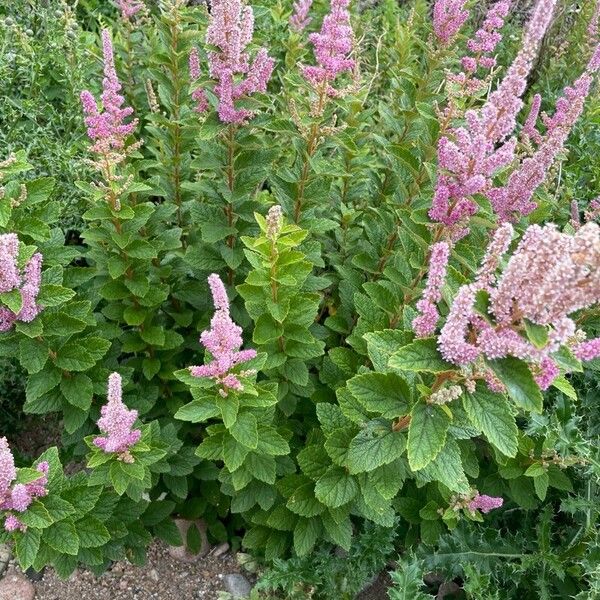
(332,47)
(299,18)
(481,47)
(230,29)
(549,276)
(448,17)
(28,282)
(223,340)
(588,350)
(17,497)
(116,421)
(515,199)
(106,126)
(485,503)
(471,154)
(129,8)
(424,324)
(198,95)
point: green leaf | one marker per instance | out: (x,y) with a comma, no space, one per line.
(36,516)
(421,355)
(303,501)
(383,393)
(229,409)
(447,468)
(197,411)
(540,483)
(519,382)
(266,329)
(376,445)
(63,538)
(54,295)
(78,390)
(119,479)
(561,383)
(336,487)
(92,533)
(245,430)
(13,300)
(306,534)
(271,442)
(426,434)
(234,453)
(27,546)
(491,413)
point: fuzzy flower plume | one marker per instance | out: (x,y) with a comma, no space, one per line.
(588,350)
(448,17)
(485,503)
(230,30)
(274,222)
(515,199)
(129,8)
(332,47)
(28,282)
(223,340)
(106,126)
(529,130)
(17,497)
(116,421)
(470,154)
(300,19)
(549,276)
(481,48)
(198,95)
(424,324)
(9,271)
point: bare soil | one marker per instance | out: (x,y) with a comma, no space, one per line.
(162,578)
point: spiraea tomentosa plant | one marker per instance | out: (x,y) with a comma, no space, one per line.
(364,357)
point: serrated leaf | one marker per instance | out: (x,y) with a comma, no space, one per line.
(426,434)
(374,446)
(336,487)
(421,355)
(491,413)
(63,538)
(245,430)
(519,382)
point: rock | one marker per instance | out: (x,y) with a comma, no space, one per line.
(181,552)
(154,575)
(4,558)
(237,585)
(220,549)
(16,586)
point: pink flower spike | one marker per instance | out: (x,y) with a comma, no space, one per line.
(548,371)
(230,29)
(20,498)
(299,18)
(332,47)
(424,324)
(485,503)
(9,271)
(117,421)
(129,8)
(8,472)
(588,350)
(32,280)
(106,127)
(223,340)
(448,17)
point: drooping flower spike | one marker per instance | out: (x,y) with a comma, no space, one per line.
(129,8)
(448,17)
(549,276)
(223,340)
(116,422)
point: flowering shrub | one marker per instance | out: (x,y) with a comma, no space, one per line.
(390,291)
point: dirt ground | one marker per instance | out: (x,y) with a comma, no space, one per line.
(162,578)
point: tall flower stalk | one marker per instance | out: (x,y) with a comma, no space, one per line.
(107,128)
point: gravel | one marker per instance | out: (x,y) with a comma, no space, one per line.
(162,578)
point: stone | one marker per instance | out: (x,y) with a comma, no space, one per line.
(181,552)
(4,558)
(16,585)
(237,585)
(220,549)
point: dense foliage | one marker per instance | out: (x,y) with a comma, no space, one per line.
(381,217)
